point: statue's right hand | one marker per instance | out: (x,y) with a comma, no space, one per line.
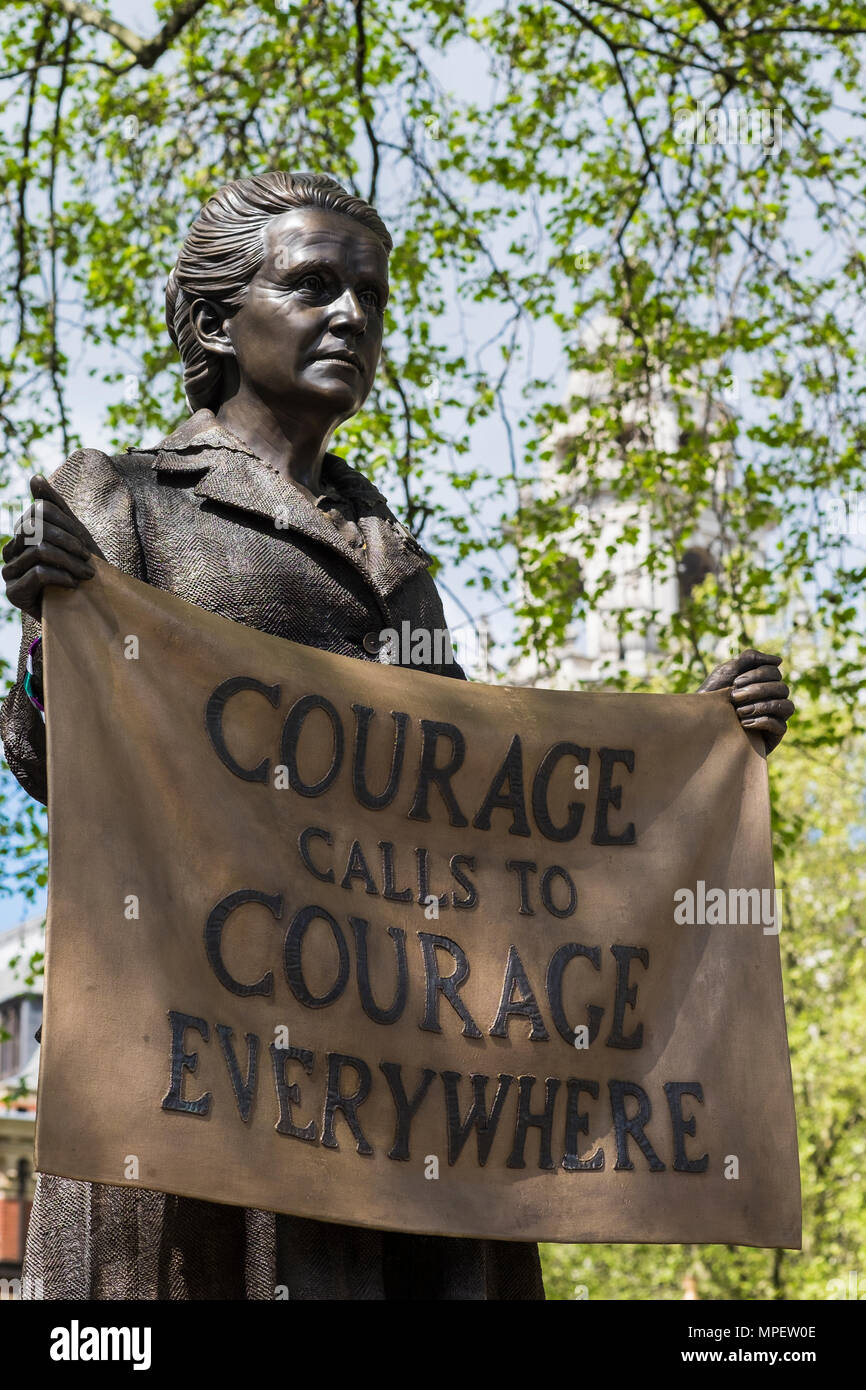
(50,546)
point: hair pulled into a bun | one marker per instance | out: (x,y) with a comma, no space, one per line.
(225,248)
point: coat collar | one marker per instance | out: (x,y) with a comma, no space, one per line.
(234,476)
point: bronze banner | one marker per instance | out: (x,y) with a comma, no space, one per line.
(353,942)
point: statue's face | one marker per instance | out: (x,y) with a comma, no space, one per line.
(309,332)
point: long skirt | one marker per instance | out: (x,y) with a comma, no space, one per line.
(90,1241)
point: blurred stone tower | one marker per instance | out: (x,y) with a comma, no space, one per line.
(595,649)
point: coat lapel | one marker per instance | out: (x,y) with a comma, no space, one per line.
(233,476)
(241,481)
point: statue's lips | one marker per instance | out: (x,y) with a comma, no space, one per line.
(352,362)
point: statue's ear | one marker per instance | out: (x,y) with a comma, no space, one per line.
(210,327)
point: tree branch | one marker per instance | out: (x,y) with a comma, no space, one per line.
(145,51)
(54,363)
(364,104)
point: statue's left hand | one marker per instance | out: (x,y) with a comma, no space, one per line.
(758,693)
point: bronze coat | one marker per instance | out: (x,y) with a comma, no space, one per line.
(200,516)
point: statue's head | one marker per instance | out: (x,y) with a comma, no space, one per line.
(279,271)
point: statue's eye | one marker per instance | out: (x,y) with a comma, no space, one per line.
(371,298)
(314,283)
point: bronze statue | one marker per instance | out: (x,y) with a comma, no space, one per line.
(276,306)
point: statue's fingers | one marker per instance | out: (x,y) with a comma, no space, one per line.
(32,525)
(728,672)
(26,591)
(47,533)
(750,659)
(46,554)
(42,575)
(770,709)
(24,528)
(63,515)
(44,513)
(773,730)
(756,675)
(759,657)
(42,490)
(763,690)
(10,549)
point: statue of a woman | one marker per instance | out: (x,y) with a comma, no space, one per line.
(276,306)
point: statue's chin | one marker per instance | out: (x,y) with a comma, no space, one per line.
(337,383)
(326,390)
(336,377)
